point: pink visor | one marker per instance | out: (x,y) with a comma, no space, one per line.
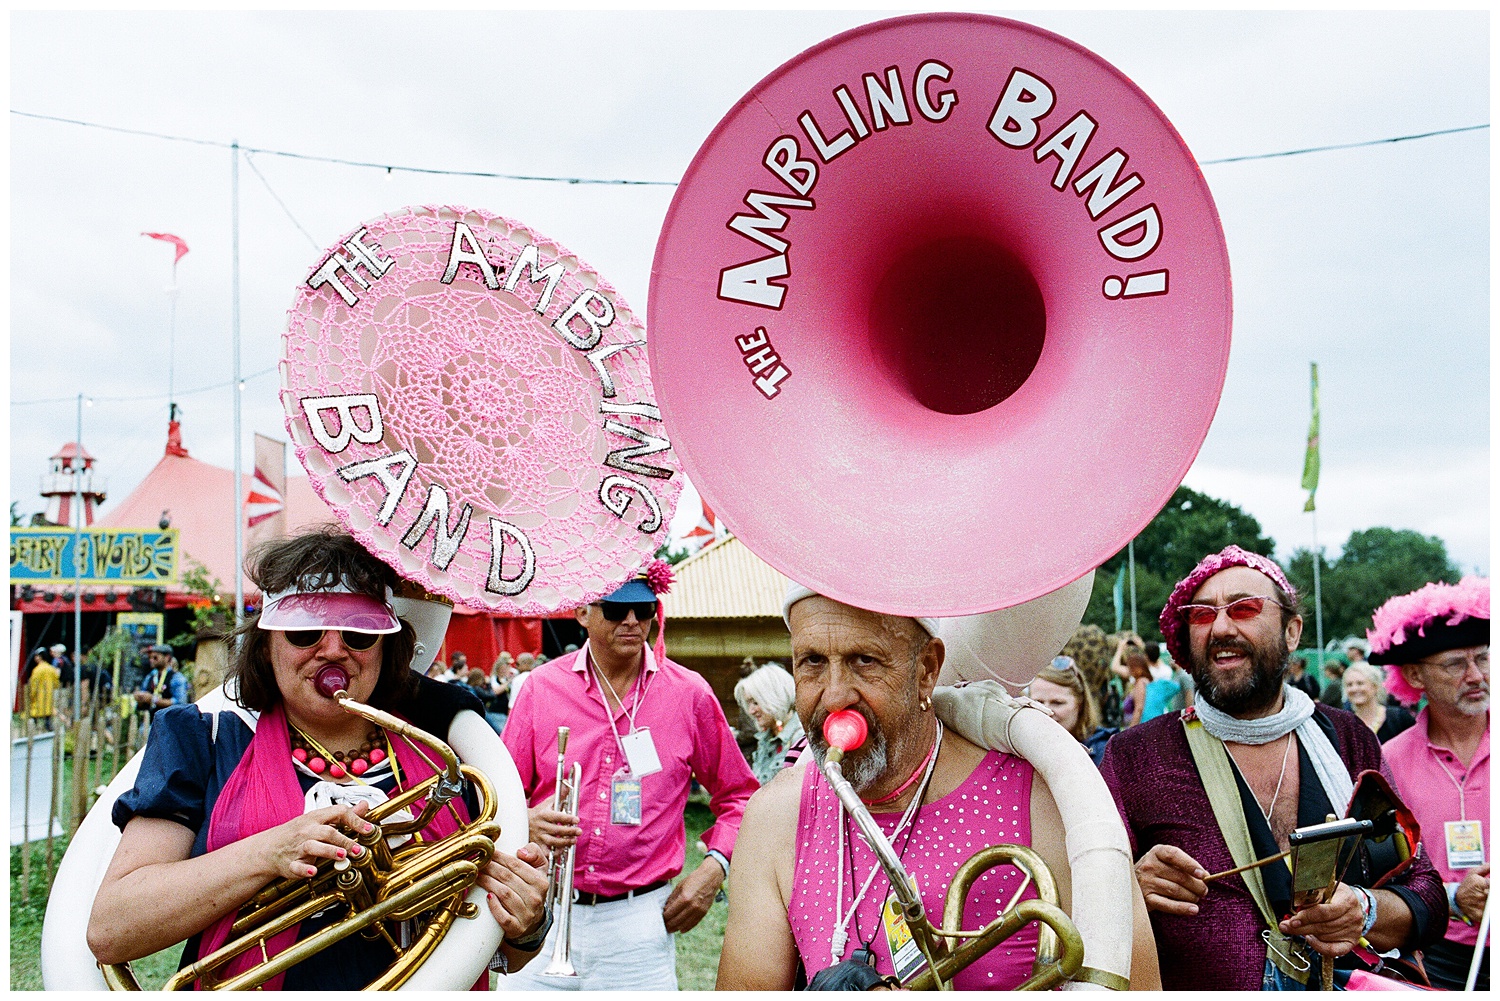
(359,613)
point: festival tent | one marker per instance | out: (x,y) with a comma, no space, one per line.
(198,500)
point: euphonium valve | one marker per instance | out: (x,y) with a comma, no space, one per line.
(947,947)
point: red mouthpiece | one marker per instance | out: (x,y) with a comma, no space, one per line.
(845,729)
(331,680)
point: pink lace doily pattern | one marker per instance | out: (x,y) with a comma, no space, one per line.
(519,391)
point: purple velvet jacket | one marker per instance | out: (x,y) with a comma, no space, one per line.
(1150,771)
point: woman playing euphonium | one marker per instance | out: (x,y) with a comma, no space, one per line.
(219,810)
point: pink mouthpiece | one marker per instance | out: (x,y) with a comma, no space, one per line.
(331,680)
(845,729)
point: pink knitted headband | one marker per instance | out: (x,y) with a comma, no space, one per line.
(1174,627)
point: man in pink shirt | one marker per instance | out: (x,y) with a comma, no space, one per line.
(642,727)
(1436,642)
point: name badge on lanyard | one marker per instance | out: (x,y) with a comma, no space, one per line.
(906,955)
(625,799)
(640,752)
(1465,843)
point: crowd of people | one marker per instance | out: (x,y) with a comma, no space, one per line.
(152,676)
(1212,751)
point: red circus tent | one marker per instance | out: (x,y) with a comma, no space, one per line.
(199,501)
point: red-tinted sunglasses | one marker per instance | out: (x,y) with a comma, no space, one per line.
(1240,610)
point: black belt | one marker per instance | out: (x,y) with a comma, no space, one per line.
(590,899)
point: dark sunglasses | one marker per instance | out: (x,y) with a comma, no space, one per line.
(615,611)
(304,638)
(1240,610)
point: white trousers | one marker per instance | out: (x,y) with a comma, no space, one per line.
(619,946)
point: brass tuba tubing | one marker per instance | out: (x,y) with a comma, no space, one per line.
(381,886)
(435,887)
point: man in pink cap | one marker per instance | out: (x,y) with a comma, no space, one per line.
(1226,782)
(1435,642)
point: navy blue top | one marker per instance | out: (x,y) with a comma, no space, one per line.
(184,769)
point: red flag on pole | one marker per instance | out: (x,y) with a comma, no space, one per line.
(707,529)
(176,241)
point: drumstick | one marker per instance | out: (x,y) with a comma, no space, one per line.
(1244,868)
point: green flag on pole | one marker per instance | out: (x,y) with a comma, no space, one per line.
(1312,464)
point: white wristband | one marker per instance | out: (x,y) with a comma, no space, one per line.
(1371,909)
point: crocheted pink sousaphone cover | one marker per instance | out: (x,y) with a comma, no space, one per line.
(474,404)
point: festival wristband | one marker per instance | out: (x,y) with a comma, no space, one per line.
(533,942)
(1454,911)
(1371,909)
(720,858)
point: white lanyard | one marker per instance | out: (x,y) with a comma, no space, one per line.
(635,706)
(841,920)
(1463,813)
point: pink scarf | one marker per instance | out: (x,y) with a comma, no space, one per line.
(263,792)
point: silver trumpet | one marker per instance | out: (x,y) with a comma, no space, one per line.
(560,875)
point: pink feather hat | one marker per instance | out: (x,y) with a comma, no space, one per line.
(1429,620)
(1174,626)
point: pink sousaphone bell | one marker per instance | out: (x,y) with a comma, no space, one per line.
(940,315)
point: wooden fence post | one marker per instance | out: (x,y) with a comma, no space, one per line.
(57,786)
(26,822)
(81,735)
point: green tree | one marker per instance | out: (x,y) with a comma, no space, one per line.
(1375,564)
(213,614)
(1188,528)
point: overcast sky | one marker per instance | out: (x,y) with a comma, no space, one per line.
(1371,261)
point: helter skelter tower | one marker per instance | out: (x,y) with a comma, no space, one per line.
(60,489)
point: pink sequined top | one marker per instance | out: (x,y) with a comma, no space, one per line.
(992,806)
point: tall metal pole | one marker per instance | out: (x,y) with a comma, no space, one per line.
(172,343)
(1318,592)
(1134,627)
(78,567)
(239,519)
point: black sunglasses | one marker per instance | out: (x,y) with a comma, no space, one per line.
(615,611)
(304,638)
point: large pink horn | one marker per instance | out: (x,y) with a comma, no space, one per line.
(940,315)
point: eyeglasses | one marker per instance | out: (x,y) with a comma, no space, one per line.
(1067,665)
(1455,668)
(615,611)
(1240,610)
(305,638)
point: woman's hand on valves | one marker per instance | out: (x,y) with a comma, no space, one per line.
(516,890)
(295,847)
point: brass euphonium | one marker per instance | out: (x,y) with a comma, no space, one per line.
(947,947)
(387,892)
(560,884)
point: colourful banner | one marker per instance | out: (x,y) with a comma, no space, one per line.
(1313,463)
(133,557)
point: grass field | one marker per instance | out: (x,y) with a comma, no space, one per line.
(697,950)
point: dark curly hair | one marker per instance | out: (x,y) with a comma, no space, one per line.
(323,552)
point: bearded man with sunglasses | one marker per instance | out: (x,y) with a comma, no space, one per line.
(643,728)
(1253,760)
(1436,642)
